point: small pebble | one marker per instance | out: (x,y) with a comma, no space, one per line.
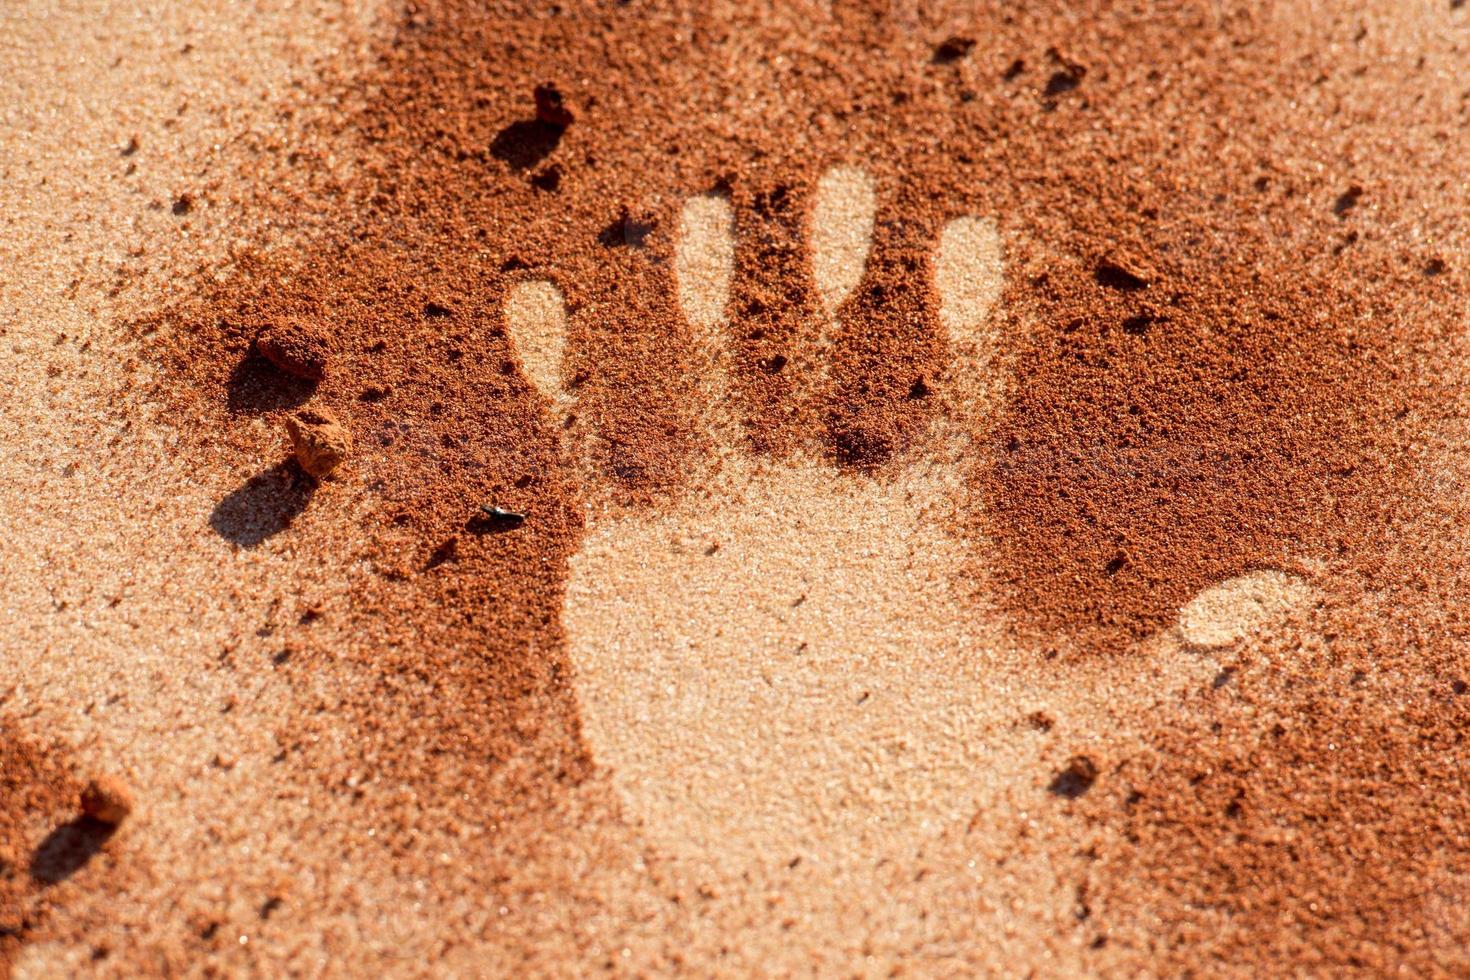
(107,800)
(320,442)
(295,348)
(551,108)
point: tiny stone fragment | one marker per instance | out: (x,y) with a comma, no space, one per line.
(107,800)
(551,107)
(318,440)
(295,348)
(1123,274)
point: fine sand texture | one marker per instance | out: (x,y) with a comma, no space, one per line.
(830,489)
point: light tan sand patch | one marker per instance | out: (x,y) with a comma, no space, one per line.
(841,232)
(967,273)
(1228,612)
(536,315)
(704,260)
(748,669)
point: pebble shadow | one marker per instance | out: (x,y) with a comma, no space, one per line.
(263,505)
(256,387)
(68,848)
(525,144)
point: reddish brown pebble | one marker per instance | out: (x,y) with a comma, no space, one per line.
(551,108)
(107,800)
(319,441)
(295,348)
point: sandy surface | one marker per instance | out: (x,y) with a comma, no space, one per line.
(121,599)
(780,713)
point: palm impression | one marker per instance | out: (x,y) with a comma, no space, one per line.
(780,662)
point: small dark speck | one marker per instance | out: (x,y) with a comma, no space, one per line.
(1014,71)
(183,204)
(626,231)
(1347,200)
(436,310)
(446,553)
(1067,76)
(1459,687)
(1061,82)
(130,148)
(1115,566)
(1434,267)
(1077,778)
(953,49)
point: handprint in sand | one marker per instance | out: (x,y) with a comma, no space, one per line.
(785,659)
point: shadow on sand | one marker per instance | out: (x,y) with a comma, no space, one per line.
(68,848)
(263,506)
